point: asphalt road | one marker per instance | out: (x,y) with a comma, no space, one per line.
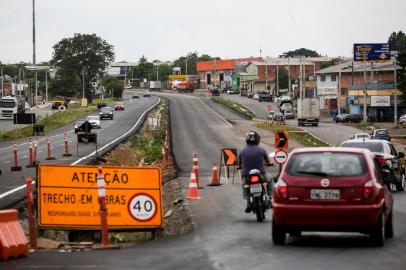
(109,132)
(225,237)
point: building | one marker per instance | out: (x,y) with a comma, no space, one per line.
(349,78)
(218,72)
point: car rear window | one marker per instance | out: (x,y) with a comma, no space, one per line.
(381,132)
(327,164)
(372,146)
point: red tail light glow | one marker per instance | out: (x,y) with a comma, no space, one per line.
(254,179)
(368,189)
(381,160)
(282,188)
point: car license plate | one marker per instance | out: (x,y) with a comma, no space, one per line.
(325,194)
(256,188)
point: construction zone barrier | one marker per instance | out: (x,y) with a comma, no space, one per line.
(49,156)
(30,155)
(193,193)
(214,177)
(30,213)
(196,169)
(13,243)
(16,166)
(66,151)
(101,193)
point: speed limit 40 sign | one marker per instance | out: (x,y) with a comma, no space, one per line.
(142,207)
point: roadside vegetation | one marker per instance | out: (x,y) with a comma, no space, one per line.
(235,106)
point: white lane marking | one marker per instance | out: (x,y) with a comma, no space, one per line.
(222,118)
(79,160)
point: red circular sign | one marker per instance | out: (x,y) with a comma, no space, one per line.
(269,107)
(280,156)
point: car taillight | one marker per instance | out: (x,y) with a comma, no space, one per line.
(254,179)
(282,188)
(381,160)
(368,189)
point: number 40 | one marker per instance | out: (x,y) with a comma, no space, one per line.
(147,206)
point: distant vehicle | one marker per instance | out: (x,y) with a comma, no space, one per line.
(231,92)
(264,96)
(381,134)
(256,96)
(288,113)
(360,136)
(119,106)
(331,189)
(106,113)
(60,103)
(282,98)
(135,96)
(250,95)
(348,118)
(147,94)
(185,87)
(285,106)
(27,106)
(402,120)
(94,120)
(270,115)
(8,107)
(78,123)
(386,155)
(278,117)
(155,85)
(308,111)
(215,92)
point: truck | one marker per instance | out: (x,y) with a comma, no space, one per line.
(8,107)
(308,111)
(155,85)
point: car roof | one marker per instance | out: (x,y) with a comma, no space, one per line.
(330,149)
(367,141)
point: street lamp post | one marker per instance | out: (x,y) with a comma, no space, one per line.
(395,94)
(83,82)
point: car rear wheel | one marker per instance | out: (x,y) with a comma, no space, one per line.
(401,185)
(278,234)
(378,233)
(389,226)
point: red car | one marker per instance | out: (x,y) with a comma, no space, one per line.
(119,106)
(332,189)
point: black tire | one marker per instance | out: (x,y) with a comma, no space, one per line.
(278,234)
(389,226)
(258,209)
(401,183)
(378,233)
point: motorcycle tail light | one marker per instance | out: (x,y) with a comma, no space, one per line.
(254,179)
(381,160)
(282,188)
(368,189)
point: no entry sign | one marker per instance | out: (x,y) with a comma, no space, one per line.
(281,157)
(67,197)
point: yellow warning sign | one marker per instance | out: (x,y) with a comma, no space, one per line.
(68,197)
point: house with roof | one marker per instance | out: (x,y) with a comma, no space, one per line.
(218,72)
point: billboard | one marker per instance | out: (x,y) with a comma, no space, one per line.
(371,52)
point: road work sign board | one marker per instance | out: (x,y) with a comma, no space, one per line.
(230,157)
(281,139)
(371,52)
(67,197)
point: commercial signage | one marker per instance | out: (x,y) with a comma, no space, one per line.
(371,52)
(380,101)
(67,197)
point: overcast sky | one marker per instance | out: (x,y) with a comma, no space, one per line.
(168,29)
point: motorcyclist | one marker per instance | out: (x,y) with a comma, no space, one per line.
(252,156)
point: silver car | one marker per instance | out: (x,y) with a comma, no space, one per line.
(94,120)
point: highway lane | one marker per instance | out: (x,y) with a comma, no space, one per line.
(225,237)
(111,130)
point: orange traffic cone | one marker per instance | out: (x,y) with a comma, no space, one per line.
(193,193)
(214,177)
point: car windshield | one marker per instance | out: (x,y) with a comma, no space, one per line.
(7,104)
(372,146)
(106,110)
(381,132)
(362,135)
(327,164)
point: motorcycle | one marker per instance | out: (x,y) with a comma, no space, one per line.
(259,198)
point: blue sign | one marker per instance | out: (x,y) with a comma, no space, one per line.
(371,52)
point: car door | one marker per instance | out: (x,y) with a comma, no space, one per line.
(397,167)
(386,189)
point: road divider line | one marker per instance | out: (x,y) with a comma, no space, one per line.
(222,118)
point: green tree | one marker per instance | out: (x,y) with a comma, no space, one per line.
(283,79)
(300,52)
(191,58)
(113,86)
(65,83)
(85,53)
(397,42)
(144,69)
(332,62)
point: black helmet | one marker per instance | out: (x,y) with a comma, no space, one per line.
(252,138)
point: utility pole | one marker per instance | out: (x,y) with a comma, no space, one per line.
(36,87)
(186,67)
(372,72)
(365,89)
(277,77)
(125,76)
(395,89)
(46,86)
(339,93)
(2,83)
(83,82)
(300,78)
(33,33)
(266,73)
(289,82)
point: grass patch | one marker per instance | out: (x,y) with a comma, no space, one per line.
(297,134)
(235,106)
(51,122)
(108,101)
(366,126)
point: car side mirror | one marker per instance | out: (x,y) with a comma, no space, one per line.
(401,155)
